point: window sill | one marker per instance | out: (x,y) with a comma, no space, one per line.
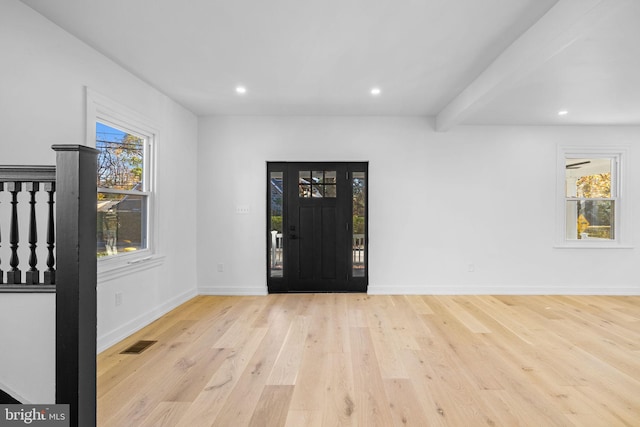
(592,244)
(109,269)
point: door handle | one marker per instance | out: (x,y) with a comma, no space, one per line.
(293,236)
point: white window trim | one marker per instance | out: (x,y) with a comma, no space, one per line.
(109,112)
(622,239)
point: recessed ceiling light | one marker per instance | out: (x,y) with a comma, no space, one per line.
(241,90)
(375,91)
(563,112)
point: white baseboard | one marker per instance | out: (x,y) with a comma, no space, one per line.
(232,290)
(503,290)
(107,340)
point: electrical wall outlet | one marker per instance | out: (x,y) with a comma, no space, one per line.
(118,298)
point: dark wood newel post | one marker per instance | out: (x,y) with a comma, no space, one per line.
(76,282)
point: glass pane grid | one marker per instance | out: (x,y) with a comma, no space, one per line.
(317,184)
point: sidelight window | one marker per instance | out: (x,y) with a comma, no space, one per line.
(276,243)
(359,187)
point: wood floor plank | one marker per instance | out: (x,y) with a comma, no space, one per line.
(309,389)
(453,389)
(273,406)
(406,324)
(357,308)
(418,305)
(463,315)
(241,403)
(370,405)
(206,407)
(309,392)
(128,411)
(166,414)
(405,406)
(338,403)
(423,378)
(304,418)
(384,339)
(606,324)
(463,346)
(365,360)
(286,367)
(130,363)
(200,366)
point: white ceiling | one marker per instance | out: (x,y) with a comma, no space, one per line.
(460,61)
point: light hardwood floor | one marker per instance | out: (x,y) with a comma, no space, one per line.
(359,360)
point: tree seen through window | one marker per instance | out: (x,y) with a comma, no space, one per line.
(122,197)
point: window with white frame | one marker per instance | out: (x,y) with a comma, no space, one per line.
(123,190)
(125,183)
(593,206)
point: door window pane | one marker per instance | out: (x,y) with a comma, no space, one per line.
(329,177)
(329,181)
(317,184)
(304,184)
(304,177)
(275,226)
(359,210)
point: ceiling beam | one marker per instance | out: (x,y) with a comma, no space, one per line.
(558,29)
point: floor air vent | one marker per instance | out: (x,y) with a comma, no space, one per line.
(138,347)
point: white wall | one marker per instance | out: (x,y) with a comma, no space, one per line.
(43,77)
(27,322)
(438,203)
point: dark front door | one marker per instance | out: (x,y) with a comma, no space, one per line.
(317,230)
(317,227)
